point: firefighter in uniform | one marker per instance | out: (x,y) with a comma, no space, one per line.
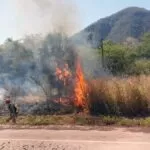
(12,110)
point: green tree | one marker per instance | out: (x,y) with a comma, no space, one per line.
(144,48)
(118,58)
(141,66)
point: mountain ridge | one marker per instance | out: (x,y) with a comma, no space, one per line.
(129,22)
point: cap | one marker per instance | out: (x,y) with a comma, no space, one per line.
(7,101)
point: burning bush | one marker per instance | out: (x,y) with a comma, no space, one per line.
(54,67)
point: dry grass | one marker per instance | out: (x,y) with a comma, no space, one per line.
(117,96)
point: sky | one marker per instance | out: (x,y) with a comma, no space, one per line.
(89,11)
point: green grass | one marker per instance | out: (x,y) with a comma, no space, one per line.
(79,120)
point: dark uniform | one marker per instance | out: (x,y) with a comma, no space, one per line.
(12,111)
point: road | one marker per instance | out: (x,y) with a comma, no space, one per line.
(99,139)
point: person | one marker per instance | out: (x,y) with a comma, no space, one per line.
(12,110)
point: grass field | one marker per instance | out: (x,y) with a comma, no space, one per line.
(114,101)
(119,96)
(79,120)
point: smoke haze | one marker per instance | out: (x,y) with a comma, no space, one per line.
(45,16)
(49,16)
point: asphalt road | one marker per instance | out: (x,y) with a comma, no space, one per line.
(100,139)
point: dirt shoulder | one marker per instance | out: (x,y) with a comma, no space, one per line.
(74,127)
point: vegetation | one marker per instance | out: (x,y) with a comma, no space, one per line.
(124,59)
(30,64)
(127,92)
(33,63)
(81,120)
(120,97)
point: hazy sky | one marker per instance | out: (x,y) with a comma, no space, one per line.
(89,11)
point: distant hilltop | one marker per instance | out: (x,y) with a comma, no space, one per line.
(131,22)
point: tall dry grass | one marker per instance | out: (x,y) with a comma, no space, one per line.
(119,96)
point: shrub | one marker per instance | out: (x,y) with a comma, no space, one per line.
(126,97)
(98,99)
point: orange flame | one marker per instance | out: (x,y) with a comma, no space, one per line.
(80,87)
(63,74)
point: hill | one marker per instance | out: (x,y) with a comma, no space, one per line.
(130,22)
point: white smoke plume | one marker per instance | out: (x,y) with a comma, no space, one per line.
(48,16)
(44,16)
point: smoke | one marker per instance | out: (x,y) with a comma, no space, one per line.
(46,16)
(92,63)
(61,16)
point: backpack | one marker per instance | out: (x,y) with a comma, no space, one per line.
(13,109)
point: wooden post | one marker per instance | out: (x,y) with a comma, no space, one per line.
(102,47)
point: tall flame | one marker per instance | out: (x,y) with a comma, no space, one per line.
(80,87)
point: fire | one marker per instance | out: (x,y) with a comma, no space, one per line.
(63,74)
(80,87)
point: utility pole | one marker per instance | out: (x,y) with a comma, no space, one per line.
(102,48)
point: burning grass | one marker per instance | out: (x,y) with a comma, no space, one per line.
(128,97)
(111,96)
(115,101)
